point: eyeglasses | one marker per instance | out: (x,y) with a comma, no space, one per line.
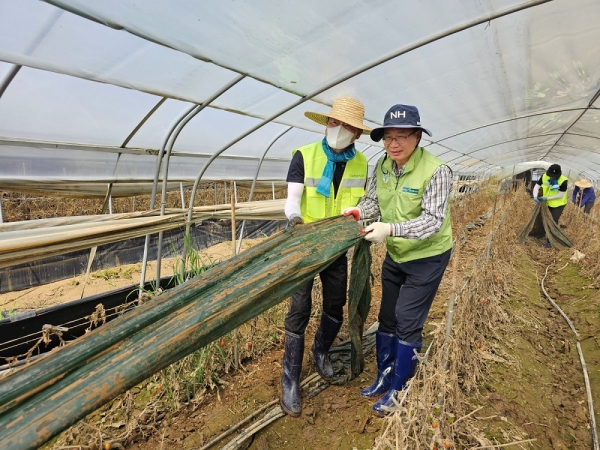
(398,139)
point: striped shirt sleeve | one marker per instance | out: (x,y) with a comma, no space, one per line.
(369,204)
(434,206)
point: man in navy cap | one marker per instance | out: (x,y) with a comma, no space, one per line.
(409,190)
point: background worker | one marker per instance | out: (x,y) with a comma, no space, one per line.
(554,191)
(324,178)
(410,191)
(584,195)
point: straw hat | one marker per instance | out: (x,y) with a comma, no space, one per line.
(583,184)
(344,109)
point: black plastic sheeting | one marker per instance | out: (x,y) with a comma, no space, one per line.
(204,234)
(21,332)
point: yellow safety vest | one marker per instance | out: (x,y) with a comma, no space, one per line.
(549,193)
(315,206)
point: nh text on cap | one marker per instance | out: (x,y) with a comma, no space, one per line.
(399,116)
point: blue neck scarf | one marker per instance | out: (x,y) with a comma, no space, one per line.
(324,186)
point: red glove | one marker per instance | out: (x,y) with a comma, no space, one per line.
(354,212)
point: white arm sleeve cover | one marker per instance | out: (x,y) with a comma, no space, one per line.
(292,204)
(557,196)
(536,188)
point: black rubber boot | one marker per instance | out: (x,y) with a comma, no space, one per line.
(324,337)
(291,401)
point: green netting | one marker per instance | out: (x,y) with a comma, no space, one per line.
(359,303)
(542,223)
(47,396)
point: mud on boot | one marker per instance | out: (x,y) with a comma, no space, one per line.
(291,400)
(328,330)
(385,345)
(404,368)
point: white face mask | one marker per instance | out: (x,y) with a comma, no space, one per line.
(338,137)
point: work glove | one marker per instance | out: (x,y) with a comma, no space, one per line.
(295,220)
(537,200)
(544,198)
(377,231)
(354,212)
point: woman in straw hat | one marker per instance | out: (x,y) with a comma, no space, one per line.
(584,195)
(324,178)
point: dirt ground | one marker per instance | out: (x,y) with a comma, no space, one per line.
(545,395)
(542,395)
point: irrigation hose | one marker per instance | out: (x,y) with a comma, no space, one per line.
(588,388)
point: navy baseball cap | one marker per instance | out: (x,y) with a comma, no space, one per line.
(399,116)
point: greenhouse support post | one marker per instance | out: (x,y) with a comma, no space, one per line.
(153,194)
(92,255)
(258,166)
(428,40)
(167,159)
(236,360)
(8,78)
(1,214)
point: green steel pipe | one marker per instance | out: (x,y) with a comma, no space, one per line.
(20,385)
(212,304)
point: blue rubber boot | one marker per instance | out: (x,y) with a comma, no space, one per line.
(291,401)
(328,330)
(385,345)
(404,368)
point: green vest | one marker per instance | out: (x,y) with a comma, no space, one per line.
(315,206)
(548,193)
(400,200)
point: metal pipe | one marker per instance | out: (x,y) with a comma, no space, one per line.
(375,154)
(142,122)
(469,24)
(167,157)
(146,36)
(182,197)
(510,119)
(8,78)
(262,158)
(154,189)
(565,132)
(1,214)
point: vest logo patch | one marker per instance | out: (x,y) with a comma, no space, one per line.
(410,190)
